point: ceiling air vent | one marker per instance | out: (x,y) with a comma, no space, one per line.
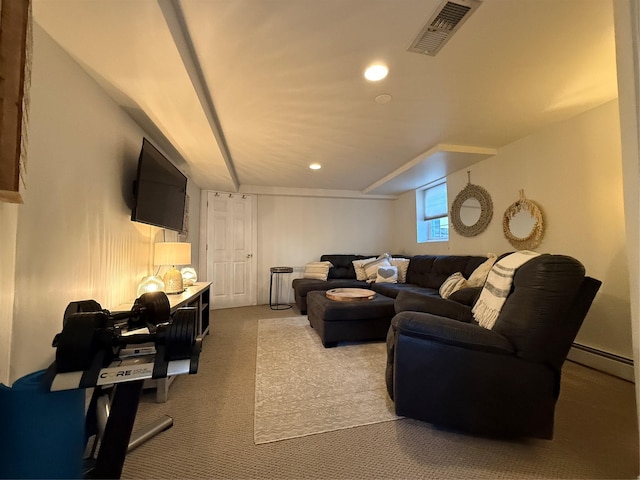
(445,21)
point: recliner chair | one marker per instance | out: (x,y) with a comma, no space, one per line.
(445,369)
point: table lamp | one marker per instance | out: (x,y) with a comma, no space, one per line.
(172,254)
(150,283)
(189,276)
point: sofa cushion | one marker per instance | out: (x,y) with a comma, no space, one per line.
(341,265)
(431,270)
(408,301)
(317,270)
(392,289)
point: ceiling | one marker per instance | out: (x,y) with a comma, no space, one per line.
(244,94)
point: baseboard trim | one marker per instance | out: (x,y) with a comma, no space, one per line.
(604,361)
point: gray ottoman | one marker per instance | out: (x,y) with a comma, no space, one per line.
(349,321)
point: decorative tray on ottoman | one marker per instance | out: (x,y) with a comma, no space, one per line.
(350,294)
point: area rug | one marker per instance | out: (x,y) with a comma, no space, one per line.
(303,388)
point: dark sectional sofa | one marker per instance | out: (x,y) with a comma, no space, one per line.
(442,366)
(425,274)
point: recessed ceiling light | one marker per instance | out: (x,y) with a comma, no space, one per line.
(315,166)
(376,72)
(383,98)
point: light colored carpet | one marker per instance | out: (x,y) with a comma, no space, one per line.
(596,434)
(303,388)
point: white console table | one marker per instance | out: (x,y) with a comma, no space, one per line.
(197,296)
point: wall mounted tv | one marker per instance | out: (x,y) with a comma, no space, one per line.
(159,190)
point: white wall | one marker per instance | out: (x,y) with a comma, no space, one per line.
(75,239)
(627,26)
(294,230)
(572,170)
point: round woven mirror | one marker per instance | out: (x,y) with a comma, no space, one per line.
(471,211)
(522,224)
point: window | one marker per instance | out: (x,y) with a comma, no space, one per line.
(435,213)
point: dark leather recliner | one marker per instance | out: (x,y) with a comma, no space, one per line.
(445,369)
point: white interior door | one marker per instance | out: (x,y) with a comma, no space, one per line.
(231,265)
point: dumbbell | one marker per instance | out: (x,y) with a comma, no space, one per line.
(88,333)
(150,308)
(177,337)
(79,307)
(83,336)
(88,330)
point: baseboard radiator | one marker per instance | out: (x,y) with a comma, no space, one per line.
(604,361)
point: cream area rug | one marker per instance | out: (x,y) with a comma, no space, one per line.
(303,388)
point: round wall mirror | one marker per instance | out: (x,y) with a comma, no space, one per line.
(471,211)
(522,224)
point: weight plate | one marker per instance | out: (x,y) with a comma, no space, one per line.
(179,347)
(76,345)
(79,307)
(153,307)
(180,335)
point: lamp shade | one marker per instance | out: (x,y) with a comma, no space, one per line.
(172,253)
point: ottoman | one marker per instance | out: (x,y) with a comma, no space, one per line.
(336,321)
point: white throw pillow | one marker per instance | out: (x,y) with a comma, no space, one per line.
(403,265)
(479,275)
(387,275)
(358,266)
(317,270)
(452,284)
(371,268)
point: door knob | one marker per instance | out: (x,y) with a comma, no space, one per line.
(249,255)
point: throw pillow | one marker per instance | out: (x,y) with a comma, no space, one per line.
(479,275)
(358,266)
(371,268)
(403,265)
(317,270)
(452,284)
(387,275)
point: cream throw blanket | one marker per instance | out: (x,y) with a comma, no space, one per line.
(497,287)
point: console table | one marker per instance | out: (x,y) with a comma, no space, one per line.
(197,296)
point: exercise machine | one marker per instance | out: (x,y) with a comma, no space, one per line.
(114,353)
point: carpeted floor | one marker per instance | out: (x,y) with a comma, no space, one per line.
(596,432)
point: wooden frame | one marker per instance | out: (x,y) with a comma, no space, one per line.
(14,78)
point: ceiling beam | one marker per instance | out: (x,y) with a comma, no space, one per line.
(435,163)
(174,17)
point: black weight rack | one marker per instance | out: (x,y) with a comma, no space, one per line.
(95,351)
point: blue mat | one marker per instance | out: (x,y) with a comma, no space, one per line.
(41,432)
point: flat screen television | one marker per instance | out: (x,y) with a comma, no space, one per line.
(159,190)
